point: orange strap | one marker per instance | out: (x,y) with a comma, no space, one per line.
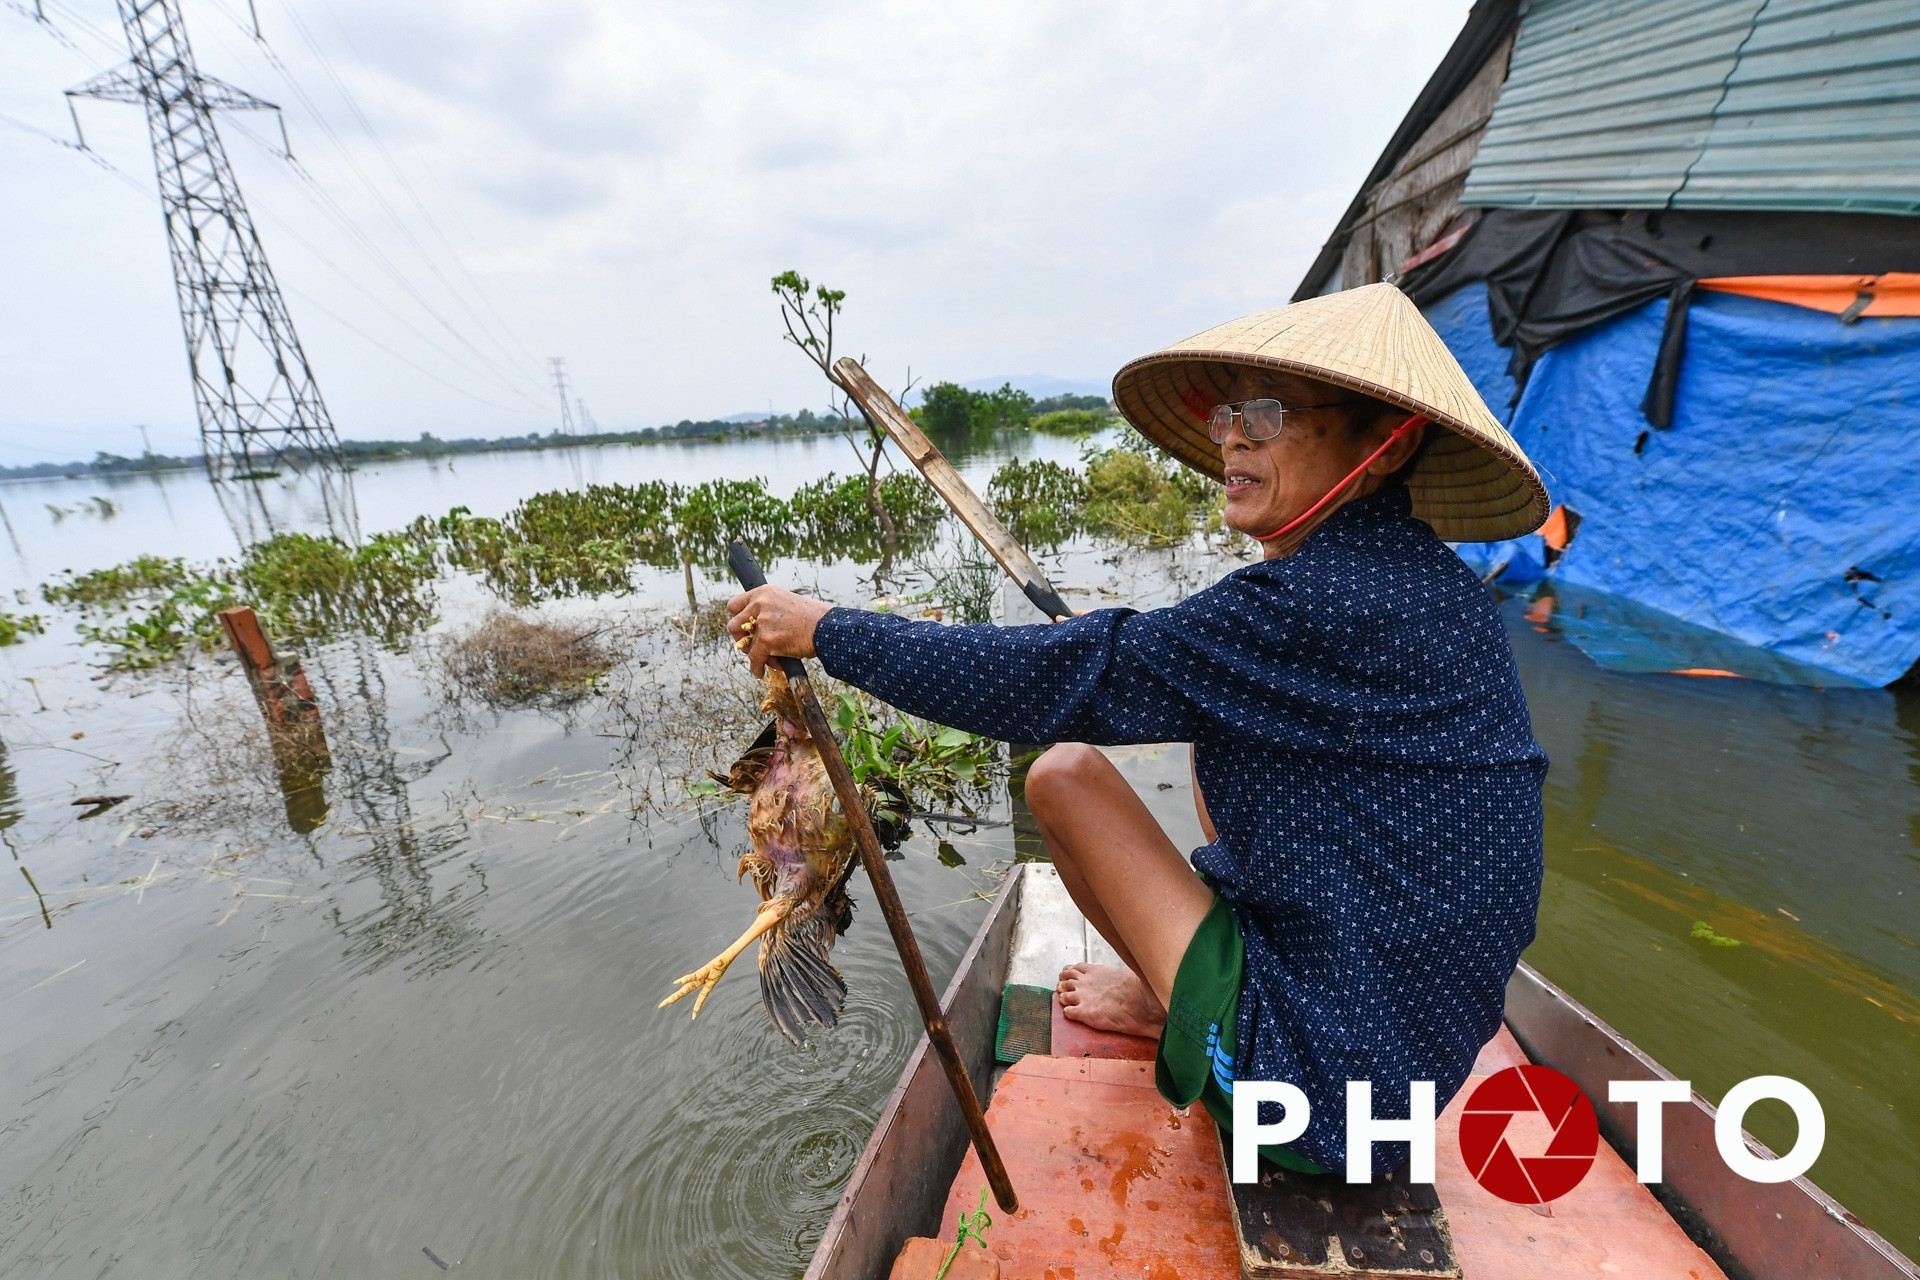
(1353,475)
(1896,293)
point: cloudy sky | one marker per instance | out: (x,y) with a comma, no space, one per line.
(1001,188)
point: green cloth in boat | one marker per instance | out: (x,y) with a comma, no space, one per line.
(1195,1060)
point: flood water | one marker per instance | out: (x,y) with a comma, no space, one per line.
(227,1049)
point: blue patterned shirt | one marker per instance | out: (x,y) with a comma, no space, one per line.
(1363,745)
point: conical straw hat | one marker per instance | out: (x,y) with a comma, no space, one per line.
(1473,483)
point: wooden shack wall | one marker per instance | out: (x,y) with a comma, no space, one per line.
(1412,206)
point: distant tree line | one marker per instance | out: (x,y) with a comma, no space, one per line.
(949,410)
(806,422)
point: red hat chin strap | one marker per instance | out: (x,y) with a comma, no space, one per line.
(1353,475)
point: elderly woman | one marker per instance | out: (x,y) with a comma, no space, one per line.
(1364,767)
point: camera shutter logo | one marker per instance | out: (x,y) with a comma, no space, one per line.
(1520,1091)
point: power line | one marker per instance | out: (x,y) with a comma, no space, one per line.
(330,208)
(86,151)
(385,347)
(122,87)
(322,200)
(400,174)
(359,173)
(372,341)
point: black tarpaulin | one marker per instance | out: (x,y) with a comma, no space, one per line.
(1552,273)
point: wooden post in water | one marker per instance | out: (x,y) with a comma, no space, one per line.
(294,730)
(874,859)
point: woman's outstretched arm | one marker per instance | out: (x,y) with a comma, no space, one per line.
(1086,679)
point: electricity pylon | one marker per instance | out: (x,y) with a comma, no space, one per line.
(257,399)
(559,364)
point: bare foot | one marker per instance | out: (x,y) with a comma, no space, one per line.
(1110,997)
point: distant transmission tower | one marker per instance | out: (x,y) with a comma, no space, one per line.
(256,396)
(559,364)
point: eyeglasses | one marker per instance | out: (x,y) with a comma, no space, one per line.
(1259,419)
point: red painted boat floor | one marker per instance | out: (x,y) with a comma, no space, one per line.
(1609,1225)
(1113,1182)
(1075,1040)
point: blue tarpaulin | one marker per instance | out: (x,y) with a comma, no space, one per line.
(1780,508)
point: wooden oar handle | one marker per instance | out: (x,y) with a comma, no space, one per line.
(958,494)
(747,570)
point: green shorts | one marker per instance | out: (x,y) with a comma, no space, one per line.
(1198,1044)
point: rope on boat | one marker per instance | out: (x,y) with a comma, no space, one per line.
(973,1224)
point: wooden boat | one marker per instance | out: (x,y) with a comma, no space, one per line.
(1706,1223)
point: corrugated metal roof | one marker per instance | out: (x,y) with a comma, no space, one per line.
(1756,104)
(1822,112)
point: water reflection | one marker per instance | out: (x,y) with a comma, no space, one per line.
(427,927)
(10,810)
(1776,818)
(315,497)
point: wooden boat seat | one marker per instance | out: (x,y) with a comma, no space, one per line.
(1114,1182)
(1609,1225)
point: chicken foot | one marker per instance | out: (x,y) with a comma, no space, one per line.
(707,975)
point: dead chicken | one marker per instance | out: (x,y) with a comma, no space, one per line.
(803,849)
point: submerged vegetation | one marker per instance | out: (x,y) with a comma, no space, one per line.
(303,586)
(15,625)
(146,610)
(586,542)
(1136,494)
(513,661)
(309,588)
(1072,422)
(1128,492)
(964,582)
(1039,502)
(920,764)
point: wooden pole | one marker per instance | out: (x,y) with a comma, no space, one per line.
(294,730)
(985,526)
(747,569)
(281,684)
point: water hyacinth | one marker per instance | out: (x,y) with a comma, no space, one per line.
(585,542)
(306,587)
(1138,495)
(1039,502)
(925,764)
(15,625)
(309,588)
